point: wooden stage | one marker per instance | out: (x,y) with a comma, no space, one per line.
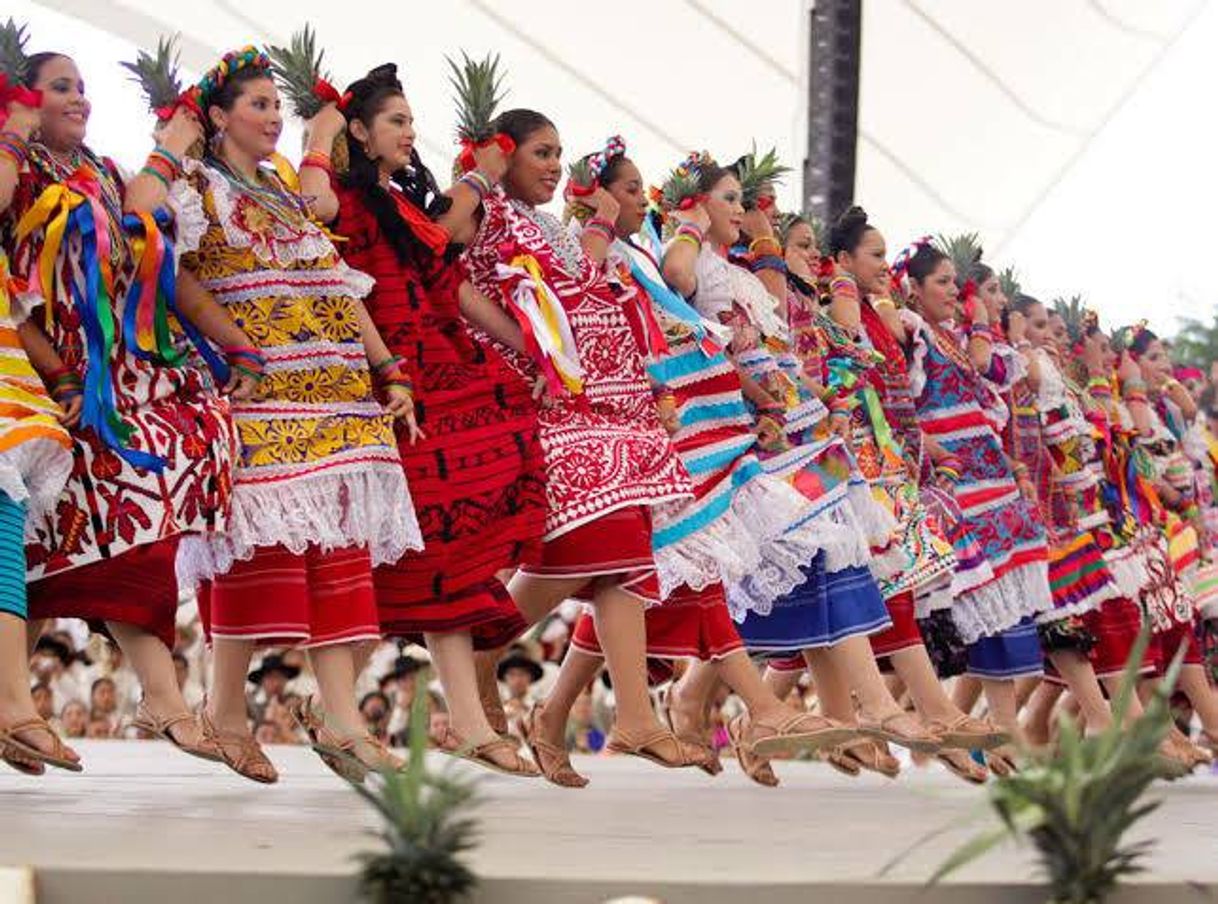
(146,824)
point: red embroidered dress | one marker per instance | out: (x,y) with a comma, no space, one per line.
(115,527)
(476,477)
(606,455)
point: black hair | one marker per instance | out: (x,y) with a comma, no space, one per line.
(1020,304)
(34,63)
(227,94)
(847,231)
(1141,341)
(519,124)
(922,263)
(368,97)
(711,174)
(612,169)
(371,695)
(979,273)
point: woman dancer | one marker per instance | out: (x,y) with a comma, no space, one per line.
(828,618)
(151,445)
(608,461)
(319,496)
(995,619)
(475,473)
(741,521)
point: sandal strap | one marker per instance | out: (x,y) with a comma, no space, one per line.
(38,724)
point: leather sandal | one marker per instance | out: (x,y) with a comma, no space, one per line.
(554,761)
(647,747)
(497,716)
(924,741)
(454,745)
(25,753)
(713,765)
(841,763)
(754,765)
(799,731)
(240,753)
(1001,761)
(871,755)
(968,733)
(337,753)
(960,764)
(206,749)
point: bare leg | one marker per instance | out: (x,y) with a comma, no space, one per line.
(966,693)
(1079,676)
(832,689)
(153,664)
(1194,684)
(33,631)
(16,704)
(1038,715)
(453,657)
(623,637)
(230,666)
(1004,712)
(914,667)
(578,670)
(1135,710)
(854,661)
(1024,688)
(334,666)
(781,683)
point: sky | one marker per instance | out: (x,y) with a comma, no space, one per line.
(1128,224)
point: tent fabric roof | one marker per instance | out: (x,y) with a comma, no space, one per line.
(1000,118)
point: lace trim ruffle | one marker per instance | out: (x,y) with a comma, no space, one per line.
(189,217)
(713,293)
(368,505)
(916,327)
(751,294)
(35,472)
(1003,603)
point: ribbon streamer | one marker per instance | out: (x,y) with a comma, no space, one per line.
(547,332)
(843,375)
(674,305)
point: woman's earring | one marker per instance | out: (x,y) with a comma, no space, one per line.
(217,140)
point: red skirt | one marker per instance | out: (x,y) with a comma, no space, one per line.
(617,544)
(691,624)
(485,611)
(904,632)
(281,598)
(1115,626)
(793,663)
(138,587)
(1164,644)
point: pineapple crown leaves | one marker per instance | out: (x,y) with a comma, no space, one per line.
(1077,316)
(965,253)
(14,62)
(681,190)
(297,68)
(1008,278)
(425,826)
(756,174)
(478,87)
(157,75)
(580,172)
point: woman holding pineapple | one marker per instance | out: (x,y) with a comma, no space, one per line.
(475,473)
(151,442)
(319,497)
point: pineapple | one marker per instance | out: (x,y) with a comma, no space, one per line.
(757,174)
(13,62)
(1009,280)
(479,91)
(423,829)
(298,68)
(1074,313)
(157,75)
(965,252)
(580,173)
(681,186)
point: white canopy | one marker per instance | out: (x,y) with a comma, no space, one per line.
(1065,132)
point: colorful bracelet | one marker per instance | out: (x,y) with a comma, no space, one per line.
(765,246)
(768,262)
(318,160)
(65,384)
(843,285)
(981,331)
(392,372)
(247,360)
(883,302)
(602,226)
(692,231)
(14,147)
(163,162)
(479,181)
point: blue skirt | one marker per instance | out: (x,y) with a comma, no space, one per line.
(826,609)
(12,556)
(1014,653)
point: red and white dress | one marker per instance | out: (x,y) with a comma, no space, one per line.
(607,458)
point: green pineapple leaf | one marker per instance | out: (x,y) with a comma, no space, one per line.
(680,185)
(756,174)
(580,173)
(1009,280)
(157,75)
(478,87)
(297,68)
(964,251)
(13,60)
(1073,311)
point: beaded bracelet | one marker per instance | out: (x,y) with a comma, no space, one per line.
(1136,395)
(1133,383)
(247,360)
(479,181)
(66,384)
(603,226)
(843,285)
(693,230)
(768,262)
(14,147)
(766,245)
(981,331)
(392,372)
(318,160)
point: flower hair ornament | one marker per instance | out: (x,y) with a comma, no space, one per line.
(900,264)
(248,57)
(1130,335)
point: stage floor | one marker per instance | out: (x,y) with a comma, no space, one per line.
(145,823)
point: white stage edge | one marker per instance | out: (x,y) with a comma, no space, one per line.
(145,824)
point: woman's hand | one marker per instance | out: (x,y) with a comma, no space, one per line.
(69,414)
(695,215)
(399,401)
(240,386)
(756,225)
(22,120)
(180,133)
(327,125)
(603,205)
(491,160)
(1017,327)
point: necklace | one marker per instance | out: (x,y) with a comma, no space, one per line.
(284,206)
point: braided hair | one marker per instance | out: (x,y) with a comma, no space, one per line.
(367,98)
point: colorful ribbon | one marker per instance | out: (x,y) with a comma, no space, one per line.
(547,332)
(15,93)
(843,375)
(188,99)
(466,157)
(153,297)
(328,94)
(74,207)
(673,304)
(427,231)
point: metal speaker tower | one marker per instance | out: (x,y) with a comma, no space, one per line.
(833,105)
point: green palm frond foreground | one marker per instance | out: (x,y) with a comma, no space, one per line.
(424,827)
(1077,806)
